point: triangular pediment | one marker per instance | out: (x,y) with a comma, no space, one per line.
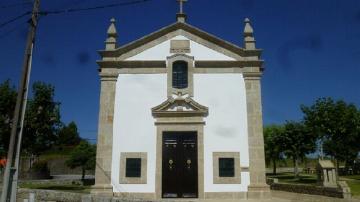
(179,106)
(194,49)
(179,29)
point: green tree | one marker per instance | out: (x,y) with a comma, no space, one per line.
(7,105)
(337,123)
(42,120)
(273,144)
(69,135)
(298,141)
(83,156)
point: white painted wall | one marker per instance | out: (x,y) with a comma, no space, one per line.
(162,50)
(225,129)
(226,125)
(134,129)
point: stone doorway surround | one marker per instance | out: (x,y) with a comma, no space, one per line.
(191,127)
(179,114)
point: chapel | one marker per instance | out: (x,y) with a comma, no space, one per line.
(180,116)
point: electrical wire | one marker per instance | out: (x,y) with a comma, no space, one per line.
(14,19)
(93,8)
(70,10)
(5,34)
(15,5)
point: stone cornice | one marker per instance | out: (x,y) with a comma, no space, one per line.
(180,26)
(252,75)
(162,64)
(108,76)
(228,64)
(132,64)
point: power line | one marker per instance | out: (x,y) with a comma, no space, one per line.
(73,3)
(15,5)
(74,10)
(5,34)
(92,8)
(14,19)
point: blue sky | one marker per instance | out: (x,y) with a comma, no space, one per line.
(311,48)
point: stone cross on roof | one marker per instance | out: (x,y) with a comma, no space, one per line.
(181,3)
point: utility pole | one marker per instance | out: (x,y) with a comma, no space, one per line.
(11,171)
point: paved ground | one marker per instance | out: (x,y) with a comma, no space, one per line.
(288,196)
(277,196)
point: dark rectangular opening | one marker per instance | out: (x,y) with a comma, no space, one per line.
(226,167)
(133,167)
(179,165)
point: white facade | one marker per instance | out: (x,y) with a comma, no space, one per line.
(134,129)
(161,51)
(226,125)
(225,129)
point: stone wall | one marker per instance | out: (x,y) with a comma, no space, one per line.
(56,166)
(48,195)
(308,189)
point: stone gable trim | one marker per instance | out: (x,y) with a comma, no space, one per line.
(180,26)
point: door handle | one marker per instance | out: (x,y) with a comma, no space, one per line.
(171,162)
(188,163)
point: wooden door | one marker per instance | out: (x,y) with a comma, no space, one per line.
(179,165)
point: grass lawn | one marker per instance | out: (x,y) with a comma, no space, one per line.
(289,178)
(50,186)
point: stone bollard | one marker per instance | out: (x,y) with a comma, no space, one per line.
(345,189)
(31,197)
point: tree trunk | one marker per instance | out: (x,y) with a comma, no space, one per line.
(337,168)
(296,166)
(83,174)
(274,166)
(30,162)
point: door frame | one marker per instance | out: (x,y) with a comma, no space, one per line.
(196,125)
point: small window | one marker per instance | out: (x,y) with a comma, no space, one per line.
(180,75)
(133,167)
(226,167)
